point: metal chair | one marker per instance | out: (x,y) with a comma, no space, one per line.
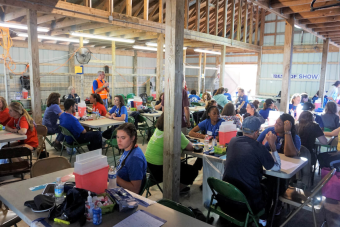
(150,181)
(176,206)
(74,144)
(7,217)
(298,198)
(112,142)
(42,133)
(305,175)
(49,165)
(143,127)
(230,192)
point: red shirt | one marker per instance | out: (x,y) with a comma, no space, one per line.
(32,136)
(4,116)
(99,108)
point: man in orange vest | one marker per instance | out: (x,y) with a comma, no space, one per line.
(100,86)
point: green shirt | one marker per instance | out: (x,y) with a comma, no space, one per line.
(154,150)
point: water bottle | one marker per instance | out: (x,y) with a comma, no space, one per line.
(59,191)
(206,143)
(112,178)
(214,142)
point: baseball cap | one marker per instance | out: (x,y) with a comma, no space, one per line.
(251,124)
(269,101)
(308,106)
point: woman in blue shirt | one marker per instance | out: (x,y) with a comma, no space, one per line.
(251,111)
(119,113)
(131,169)
(51,117)
(295,101)
(288,142)
(268,105)
(209,126)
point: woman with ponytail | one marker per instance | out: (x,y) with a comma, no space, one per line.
(23,124)
(131,169)
(97,104)
(268,105)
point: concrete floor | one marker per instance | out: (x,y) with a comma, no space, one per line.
(194,199)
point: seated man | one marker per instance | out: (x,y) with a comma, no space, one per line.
(244,165)
(68,121)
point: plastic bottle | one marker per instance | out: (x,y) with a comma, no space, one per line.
(206,143)
(59,191)
(112,178)
(214,142)
(89,205)
(97,216)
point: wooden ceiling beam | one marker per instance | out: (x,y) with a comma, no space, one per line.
(266,5)
(320,20)
(326,29)
(69,22)
(81,27)
(48,18)
(323,25)
(288,3)
(15,14)
(318,13)
(305,7)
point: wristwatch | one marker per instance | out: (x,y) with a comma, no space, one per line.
(288,132)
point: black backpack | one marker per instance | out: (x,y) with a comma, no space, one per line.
(330,160)
(25,82)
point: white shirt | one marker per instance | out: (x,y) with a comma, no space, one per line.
(217,83)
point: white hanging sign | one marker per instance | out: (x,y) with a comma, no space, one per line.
(299,76)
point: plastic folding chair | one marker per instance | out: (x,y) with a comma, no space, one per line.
(74,144)
(177,207)
(298,198)
(230,192)
(49,165)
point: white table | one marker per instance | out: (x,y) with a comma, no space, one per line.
(152,115)
(6,136)
(15,194)
(102,122)
(197,108)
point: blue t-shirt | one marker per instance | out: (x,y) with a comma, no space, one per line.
(95,84)
(228,96)
(72,124)
(319,120)
(241,99)
(292,107)
(262,136)
(209,129)
(51,117)
(314,99)
(194,98)
(135,165)
(122,111)
(76,97)
(265,113)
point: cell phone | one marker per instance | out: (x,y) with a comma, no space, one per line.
(49,190)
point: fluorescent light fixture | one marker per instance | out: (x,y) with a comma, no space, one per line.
(54,38)
(207,51)
(144,48)
(297,26)
(91,36)
(155,45)
(21,26)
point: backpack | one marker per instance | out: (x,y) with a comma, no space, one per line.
(25,82)
(330,160)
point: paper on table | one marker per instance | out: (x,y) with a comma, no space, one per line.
(288,165)
(141,218)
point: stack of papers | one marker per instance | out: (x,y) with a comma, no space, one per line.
(141,218)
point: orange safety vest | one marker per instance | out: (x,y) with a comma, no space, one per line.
(103,93)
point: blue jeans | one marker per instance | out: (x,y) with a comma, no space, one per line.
(60,137)
(105,103)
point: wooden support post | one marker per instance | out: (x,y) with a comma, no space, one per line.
(184,62)
(287,62)
(113,71)
(224,18)
(128,7)
(259,56)
(159,67)
(71,64)
(232,19)
(222,65)
(251,28)
(33,55)
(207,13)
(198,14)
(82,95)
(135,78)
(323,69)
(146,9)
(6,76)
(174,35)
(216,19)
(257,24)
(245,20)
(186,14)
(160,9)
(199,82)
(204,71)
(276,31)
(239,21)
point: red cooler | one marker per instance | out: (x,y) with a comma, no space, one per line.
(225,137)
(95,181)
